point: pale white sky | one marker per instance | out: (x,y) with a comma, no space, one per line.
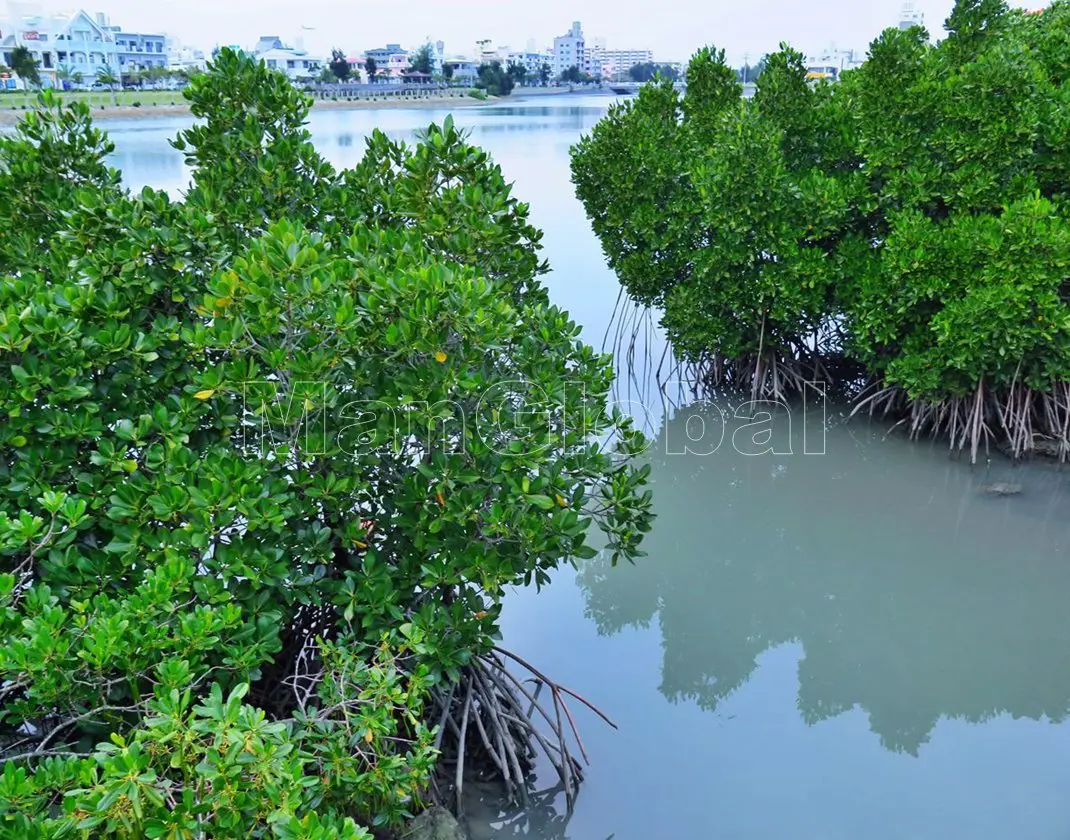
(673,29)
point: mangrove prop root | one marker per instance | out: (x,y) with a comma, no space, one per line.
(1019,421)
(484,726)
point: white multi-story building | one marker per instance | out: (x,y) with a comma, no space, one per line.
(831,62)
(532,63)
(180,57)
(530,59)
(910,16)
(617,63)
(485,52)
(74,42)
(296,64)
(464,69)
(570,50)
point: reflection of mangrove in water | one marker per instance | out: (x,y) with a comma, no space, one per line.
(913,595)
(542,815)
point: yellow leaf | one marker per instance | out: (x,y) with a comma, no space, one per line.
(440,357)
(130,466)
(205,394)
(368,736)
(561,501)
(309,405)
(360,544)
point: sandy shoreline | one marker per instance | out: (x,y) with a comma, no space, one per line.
(126,112)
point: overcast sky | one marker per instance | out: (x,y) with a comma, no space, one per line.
(673,29)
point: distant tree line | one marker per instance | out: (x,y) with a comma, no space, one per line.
(647,70)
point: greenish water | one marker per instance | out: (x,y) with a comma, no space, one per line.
(851,644)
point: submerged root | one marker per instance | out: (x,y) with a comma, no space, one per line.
(495,721)
(1018,421)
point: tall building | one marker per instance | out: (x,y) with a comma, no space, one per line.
(910,16)
(570,50)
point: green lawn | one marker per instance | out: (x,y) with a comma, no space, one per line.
(18,100)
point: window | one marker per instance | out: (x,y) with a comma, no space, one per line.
(290,65)
(271,63)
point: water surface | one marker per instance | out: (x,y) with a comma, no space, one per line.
(851,644)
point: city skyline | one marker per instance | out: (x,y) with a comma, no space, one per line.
(673,34)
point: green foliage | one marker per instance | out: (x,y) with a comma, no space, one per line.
(26,67)
(971,185)
(423,60)
(741,264)
(272,455)
(517,72)
(913,216)
(371,68)
(225,764)
(647,70)
(56,158)
(494,79)
(339,65)
(573,75)
(65,74)
(712,87)
(107,77)
(634,152)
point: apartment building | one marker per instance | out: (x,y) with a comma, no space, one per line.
(73,41)
(570,50)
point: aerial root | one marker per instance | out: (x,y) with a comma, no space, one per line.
(493,720)
(1019,421)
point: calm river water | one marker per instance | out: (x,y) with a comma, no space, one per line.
(835,635)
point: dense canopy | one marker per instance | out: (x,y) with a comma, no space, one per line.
(907,226)
(272,453)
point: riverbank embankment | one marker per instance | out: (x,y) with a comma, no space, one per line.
(451,101)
